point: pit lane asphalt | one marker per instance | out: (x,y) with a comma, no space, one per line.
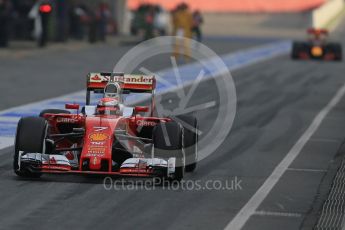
(277,100)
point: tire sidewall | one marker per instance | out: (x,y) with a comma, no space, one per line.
(25,127)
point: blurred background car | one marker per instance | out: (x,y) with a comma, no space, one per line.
(149,20)
(317,47)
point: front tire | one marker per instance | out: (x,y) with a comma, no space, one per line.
(30,138)
(190,124)
(297,48)
(336,49)
(294,50)
(168,142)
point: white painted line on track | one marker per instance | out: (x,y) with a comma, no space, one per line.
(308,170)
(282,214)
(255,201)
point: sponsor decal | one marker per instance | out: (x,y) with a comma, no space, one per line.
(139,79)
(95,151)
(128,79)
(97,143)
(98,129)
(65,120)
(98,137)
(57,167)
(145,123)
(94,160)
(94,155)
(96,78)
(52,160)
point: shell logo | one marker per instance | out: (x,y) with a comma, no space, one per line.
(98,137)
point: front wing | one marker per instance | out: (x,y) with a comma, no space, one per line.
(134,167)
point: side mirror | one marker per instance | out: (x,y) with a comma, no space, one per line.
(72,106)
(89,110)
(127,111)
(143,109)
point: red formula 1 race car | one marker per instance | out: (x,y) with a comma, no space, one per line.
(108,138)
(317,47)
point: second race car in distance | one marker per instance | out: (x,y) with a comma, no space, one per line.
(317,47)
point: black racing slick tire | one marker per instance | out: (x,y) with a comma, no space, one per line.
(338,53)
(294,50)
(190,125)
(30,138)
(54,111)
(168,142)
(297,48)
(336,49)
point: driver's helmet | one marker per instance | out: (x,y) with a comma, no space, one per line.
(112,90)
(108,106)
(110,103)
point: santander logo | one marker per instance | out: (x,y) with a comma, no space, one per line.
(128,79)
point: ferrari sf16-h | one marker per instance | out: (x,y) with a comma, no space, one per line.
(107,137)
(317,47)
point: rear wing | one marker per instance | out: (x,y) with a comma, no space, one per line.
(316,31)
(129,82)
(96,82)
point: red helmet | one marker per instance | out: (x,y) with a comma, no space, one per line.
(108,106)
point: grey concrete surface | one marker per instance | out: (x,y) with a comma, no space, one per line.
(277,101)
(288,25)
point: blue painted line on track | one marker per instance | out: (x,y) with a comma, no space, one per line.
(242,39)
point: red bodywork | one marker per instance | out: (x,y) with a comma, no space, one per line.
(95,143)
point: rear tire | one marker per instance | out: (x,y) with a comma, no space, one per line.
(168,142)
(190,141)
(30,138)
